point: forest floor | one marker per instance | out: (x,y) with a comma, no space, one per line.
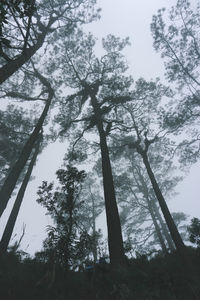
(158,278)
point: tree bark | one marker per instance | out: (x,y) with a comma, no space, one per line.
(168,218)
(163,226)
(15,211)
(115,242)
(94,231)
(144,190)
(157,228)
(14,65)
(17,168)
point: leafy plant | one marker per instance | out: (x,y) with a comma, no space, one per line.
(194,231)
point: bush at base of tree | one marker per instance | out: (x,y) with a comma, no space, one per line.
(194,232)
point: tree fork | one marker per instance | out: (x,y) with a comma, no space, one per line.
(14,65)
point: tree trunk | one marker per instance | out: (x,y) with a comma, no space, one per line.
(14,213)
(94,231)
(17,168)
(168,218)
(14,65)
(181,249)
(163,226)
(115,242)
(144,190)
(157,228)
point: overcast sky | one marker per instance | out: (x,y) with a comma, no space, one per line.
(123,18)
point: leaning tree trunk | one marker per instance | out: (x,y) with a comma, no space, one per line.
(157,228)
(115,242)
(167,215)
(16,170)
(144,190)
(163,226)
(15,64)
(15,211)
(185,260)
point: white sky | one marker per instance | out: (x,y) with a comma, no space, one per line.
(123,18)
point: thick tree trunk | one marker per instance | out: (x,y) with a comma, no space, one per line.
(14,213)
(163,227)
(115,242)
(168,218)
(17,168)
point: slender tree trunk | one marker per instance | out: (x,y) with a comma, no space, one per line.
(115,242)
(15,211)
(144,190)
(69,237)
(163,226)
(191,283)
(157,228)
(17,168)
(94,231)
(168,218)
